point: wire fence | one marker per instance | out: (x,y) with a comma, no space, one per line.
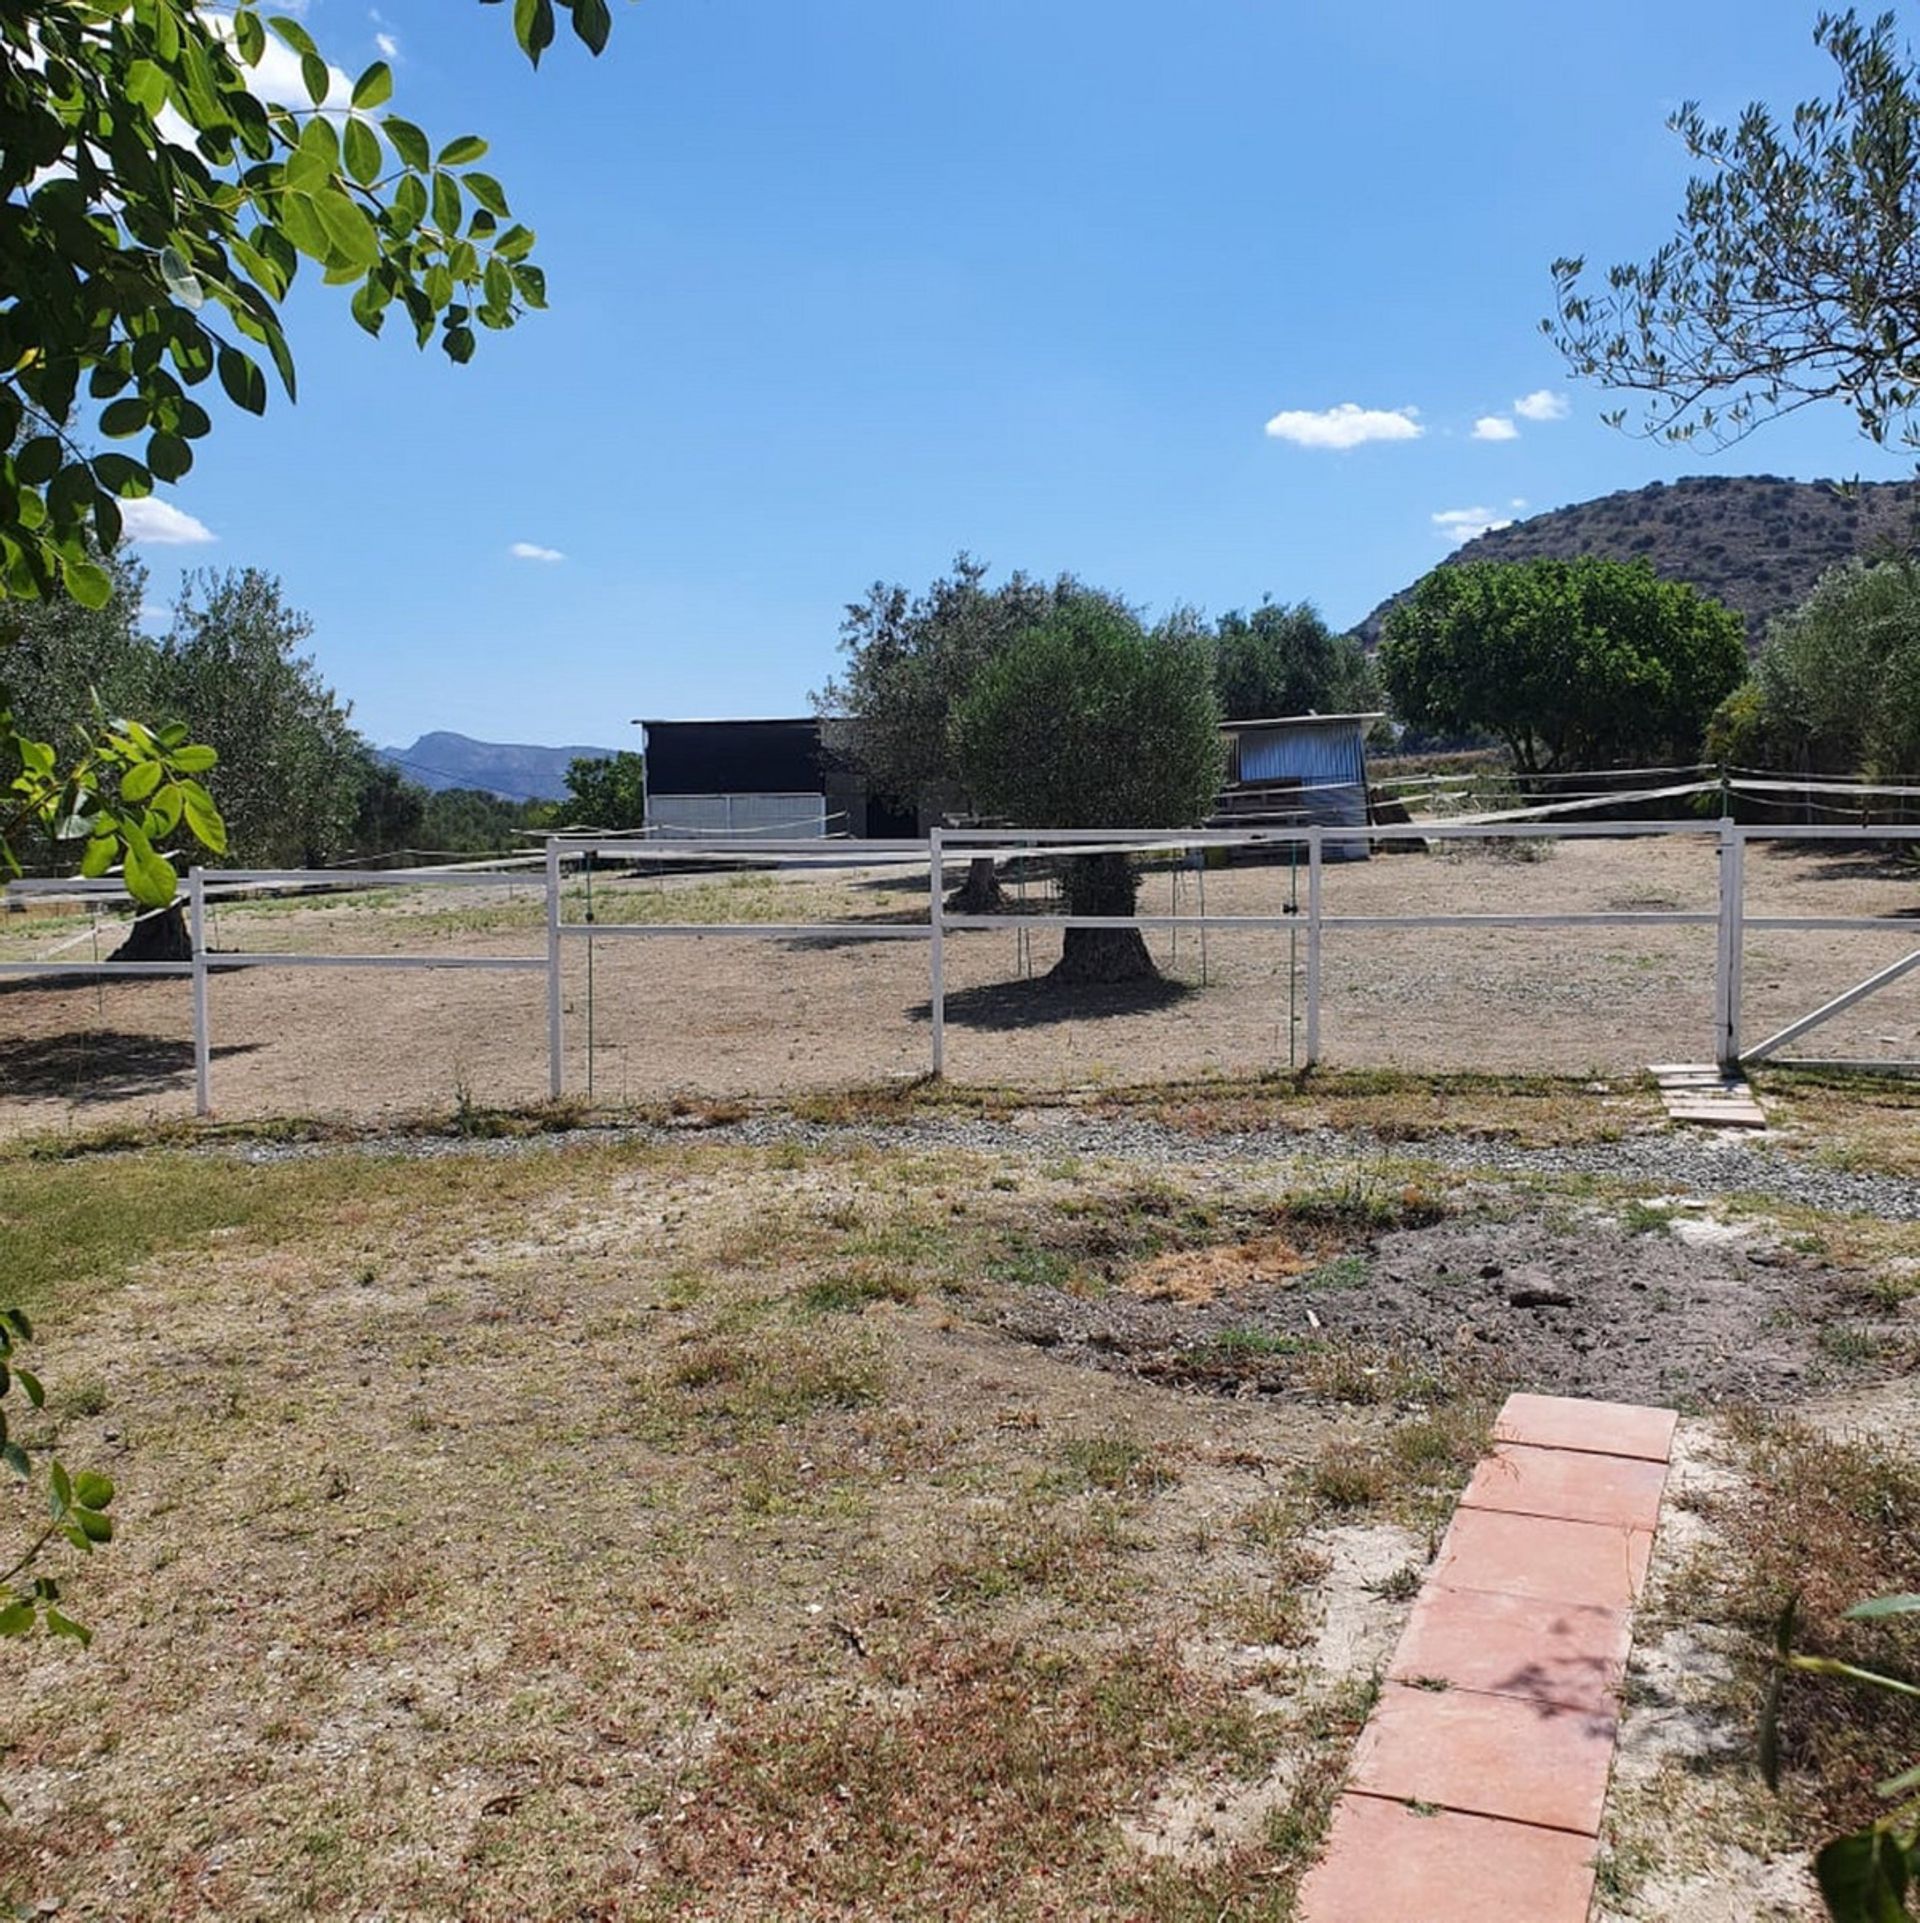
(558,897)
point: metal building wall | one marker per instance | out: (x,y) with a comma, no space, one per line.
(1329,762)
(784,817)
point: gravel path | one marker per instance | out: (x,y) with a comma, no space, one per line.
(1690,1163)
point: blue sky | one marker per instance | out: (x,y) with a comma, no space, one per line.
(842,286)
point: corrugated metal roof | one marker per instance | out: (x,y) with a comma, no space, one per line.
(1300,721)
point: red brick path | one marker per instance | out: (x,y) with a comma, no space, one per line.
(1477,1784)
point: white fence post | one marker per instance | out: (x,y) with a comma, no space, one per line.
(556,1065)
(1314,850)
(937,951)
(202,1040)
(1732,944)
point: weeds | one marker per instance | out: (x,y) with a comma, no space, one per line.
(1117,1464)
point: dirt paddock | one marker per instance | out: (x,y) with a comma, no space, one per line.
(646,1019)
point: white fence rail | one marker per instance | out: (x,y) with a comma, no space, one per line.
(945,850)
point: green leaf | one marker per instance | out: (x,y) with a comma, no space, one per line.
(1878,1606)
(194,759)
(245,384)
(60,1494)
(301,222)
(107,523)
(315,77)
(592,22)
(89,584)
(363,155)
(16,1619)
(515,244)
(313,162)
(121,473)
(291,33)
(37,461)
(409,203)
(249,36)
(64,1625)
(15,1458)
(140,780)
(446,204)
(92,1491)
(1863,1878)
(533,26)
(374,88)
(150,877)
(101,853)
(204,821)
(31,1383)
(94,1526)
(146,86)
(487,191)
(462,150)
(349,229)
(408,142)
(169,457)
(123,417)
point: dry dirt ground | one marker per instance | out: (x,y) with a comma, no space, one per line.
(769,1018)
(848,1529)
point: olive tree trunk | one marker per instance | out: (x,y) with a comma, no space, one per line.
(980,893)
(1102,885)
(157,938)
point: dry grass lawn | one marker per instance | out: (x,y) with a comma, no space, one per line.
(673,1528)
(671,1533)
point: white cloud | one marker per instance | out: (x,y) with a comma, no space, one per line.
(1347,425)
(389,47)
(1495,427)
(158,523)
(154,617)
(1461,524)
(532,551)
(1543,404)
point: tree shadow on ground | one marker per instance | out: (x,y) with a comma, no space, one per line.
(855,927)
(101,1065)
(1043,1003)
(1868,861)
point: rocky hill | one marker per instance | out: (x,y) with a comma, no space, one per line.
(1756,542)
(513,770)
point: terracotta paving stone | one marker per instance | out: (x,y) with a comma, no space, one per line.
(1487,1756)
(1574,1486)
(1572,1654)
(1576,1562)
(1603,1428)
(1385,1864)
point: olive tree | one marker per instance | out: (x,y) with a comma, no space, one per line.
(1090,720)
(1792,276)
(1283,659)
(910,661)
(1836,685)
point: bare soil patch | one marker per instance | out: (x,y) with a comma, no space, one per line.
(1482,1306)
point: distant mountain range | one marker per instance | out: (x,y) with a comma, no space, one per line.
(510,769)
(1755,542)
